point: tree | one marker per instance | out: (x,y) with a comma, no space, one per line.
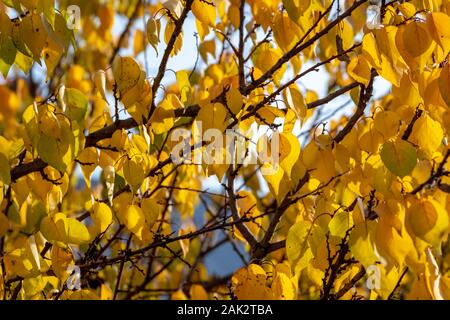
(106,149)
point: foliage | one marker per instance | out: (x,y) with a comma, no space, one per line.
(358,207)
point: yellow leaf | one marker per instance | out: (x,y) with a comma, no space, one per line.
(273,177)
(296,241)
(62,258)
(197,292)
(138,42)
(387,123)
(391,239)
(204,11)
(178,295)
(421,288)
(416,38)
(283,288)
(126,72)
(296,101)
(340,223)
(64,230)
(296,8)
(134,171)
(437,23)
(359,69)
(427,134)
(52,54)
(170,27)
(101,216)
(247,206)
(428,221)
(88,159)
(153,29)
(285,31)
(100,82)
(33,33)
(250,283)
(444,84)
(320,161)
(83,294)
(152,209)
(5,175)
(370,140)
(234,100)
(212,115)
(289,151)
(134,219)
(361,243)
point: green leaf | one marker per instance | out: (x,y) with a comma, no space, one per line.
(76,103)
(61,34)
(23,62)
(400,157)
(340,223)
(51,152)
(7,55)
(47,8)
(17,39)
(296,241)
(361,243)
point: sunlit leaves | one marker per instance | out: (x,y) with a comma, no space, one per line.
(391,237)
(76,104)
(381,52)
(250,283)
(234,100)
(87,176)
(387,123)
(289,151)
(178,44)
(444,83)
(212,116)
(428,220)
(437,23)
(126,72)
(416,39)
(361,243)
(399,157)
(153,28)
(204,11)
(5,175)
(102,216)
(133,218)
(7,55)
(296,241)
(100,82)
(286,32)
(359,69)
(61,259)
(64,230)
(427,134)
(295,8)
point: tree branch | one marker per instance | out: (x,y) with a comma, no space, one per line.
(364,97)
(162,66)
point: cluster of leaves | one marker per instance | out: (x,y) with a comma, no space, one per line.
(87,181)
